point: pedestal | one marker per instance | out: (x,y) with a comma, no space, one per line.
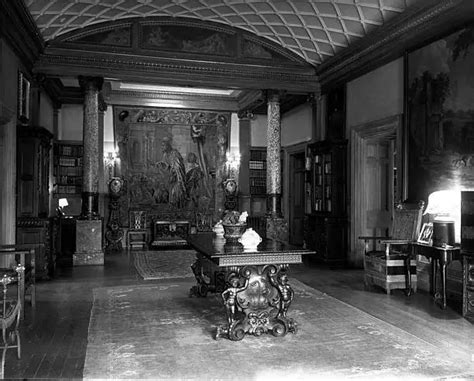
(277,228)
(88,243)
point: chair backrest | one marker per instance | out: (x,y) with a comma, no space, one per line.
(137,219)
(407,221)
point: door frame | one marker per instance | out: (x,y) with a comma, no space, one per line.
(288,153)
(390,128)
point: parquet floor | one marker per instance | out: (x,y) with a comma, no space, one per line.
(54,336)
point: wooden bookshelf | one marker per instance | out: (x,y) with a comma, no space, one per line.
(67,169)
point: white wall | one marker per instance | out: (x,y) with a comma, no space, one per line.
(70,122)
(296,125)
(46,112)
(258,131)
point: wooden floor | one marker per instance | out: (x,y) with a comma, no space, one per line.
(54,336)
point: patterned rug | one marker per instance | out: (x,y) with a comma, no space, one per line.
(156,331)
(164,264)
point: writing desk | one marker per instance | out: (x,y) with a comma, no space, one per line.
(441,256)
(253,283)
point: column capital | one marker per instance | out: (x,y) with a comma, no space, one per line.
(245,114)
(272,95)
(87,83)
(38,80)
(102,103)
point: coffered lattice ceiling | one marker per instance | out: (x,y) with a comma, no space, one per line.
(313,29)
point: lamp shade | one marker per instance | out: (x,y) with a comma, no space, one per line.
(445,207)
(62,202)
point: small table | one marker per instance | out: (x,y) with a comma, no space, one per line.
(253,283)
(442,255)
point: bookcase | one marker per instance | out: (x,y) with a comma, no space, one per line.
(258,171)
(33,173)
(326,222)
(67,168)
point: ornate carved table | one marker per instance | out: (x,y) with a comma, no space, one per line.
(253,283)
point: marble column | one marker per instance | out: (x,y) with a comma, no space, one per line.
(90,187)
(277,226)
(89,250)
(100,153)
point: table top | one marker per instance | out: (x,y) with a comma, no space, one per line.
(431,247)
(234,253)
(447,253)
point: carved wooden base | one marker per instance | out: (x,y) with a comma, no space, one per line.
(256,297)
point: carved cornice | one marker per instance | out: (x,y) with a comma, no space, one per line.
(166,99)
(20,31)
(174,71)
(415,26)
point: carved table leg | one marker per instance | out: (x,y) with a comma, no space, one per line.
(208,277)
(257,300)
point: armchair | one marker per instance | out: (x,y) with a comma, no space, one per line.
(24,255)
(10,313)
(387,260)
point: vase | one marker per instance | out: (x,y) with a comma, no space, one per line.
(232,232)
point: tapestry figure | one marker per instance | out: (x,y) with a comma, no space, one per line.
(173,163)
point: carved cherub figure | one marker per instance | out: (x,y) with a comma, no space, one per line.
(229,297)
(285,291)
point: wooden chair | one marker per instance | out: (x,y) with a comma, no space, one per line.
(137,231)
(387,260)
(24,255)
(10,313)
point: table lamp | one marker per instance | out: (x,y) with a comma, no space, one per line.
(445,207)
(62,203)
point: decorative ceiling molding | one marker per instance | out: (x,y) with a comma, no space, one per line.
(313,30)
(170,71)
(416,26)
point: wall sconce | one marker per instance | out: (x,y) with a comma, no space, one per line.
(232,164)
(109,160)
(62,203)
(232,160)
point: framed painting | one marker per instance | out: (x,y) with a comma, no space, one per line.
(440,114)
(426,233)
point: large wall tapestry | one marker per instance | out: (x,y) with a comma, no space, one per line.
(173,161)
(441,115)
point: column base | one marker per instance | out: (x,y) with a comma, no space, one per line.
(277,229)
(89,249)
(89,258)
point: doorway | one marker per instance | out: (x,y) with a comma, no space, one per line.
(296,198)
(377,180)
